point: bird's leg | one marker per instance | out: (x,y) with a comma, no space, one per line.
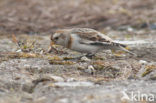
(51,48)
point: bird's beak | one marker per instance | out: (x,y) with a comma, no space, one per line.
(51,46)
(52,43)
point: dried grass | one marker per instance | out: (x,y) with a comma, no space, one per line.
(31,16)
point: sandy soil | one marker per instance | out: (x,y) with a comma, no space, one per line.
(28,74)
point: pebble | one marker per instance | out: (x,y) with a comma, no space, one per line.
(19,50)
(90,69)
(85,59)
(71,79)
(53,77)
(57,78)
(143,62)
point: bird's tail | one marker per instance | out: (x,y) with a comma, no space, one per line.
(113,45)
(124,48)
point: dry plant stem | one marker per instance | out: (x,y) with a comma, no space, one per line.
(51,48)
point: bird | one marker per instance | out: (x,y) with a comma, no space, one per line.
(85,40)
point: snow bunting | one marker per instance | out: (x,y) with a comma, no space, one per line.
(85,40)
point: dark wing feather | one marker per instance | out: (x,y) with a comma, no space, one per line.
(102,43)
(93,37)
(90,34)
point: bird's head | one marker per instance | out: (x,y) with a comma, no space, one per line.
(59,37)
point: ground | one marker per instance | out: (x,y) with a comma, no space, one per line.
(28,74)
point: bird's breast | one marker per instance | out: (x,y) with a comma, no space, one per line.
(77,46)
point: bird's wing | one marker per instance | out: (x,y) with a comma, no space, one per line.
(89,42)
(91,35)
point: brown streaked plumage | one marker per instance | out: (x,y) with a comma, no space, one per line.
(85,40)
(91,34)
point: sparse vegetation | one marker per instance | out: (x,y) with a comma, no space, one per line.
(30,74)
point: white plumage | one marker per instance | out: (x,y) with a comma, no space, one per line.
(85,40)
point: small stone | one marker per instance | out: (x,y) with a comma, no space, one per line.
(57,78)
(53,77)
(90,69)
(19,50)
(143,62)
(85,59)
(80,67)
(130,29)
(71,79)
(41,52)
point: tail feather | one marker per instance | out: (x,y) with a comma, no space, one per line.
(108,44)
(124,49)
(114,45)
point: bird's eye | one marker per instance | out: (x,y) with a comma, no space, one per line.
(56,38)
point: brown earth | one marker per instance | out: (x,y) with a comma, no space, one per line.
(28,74)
